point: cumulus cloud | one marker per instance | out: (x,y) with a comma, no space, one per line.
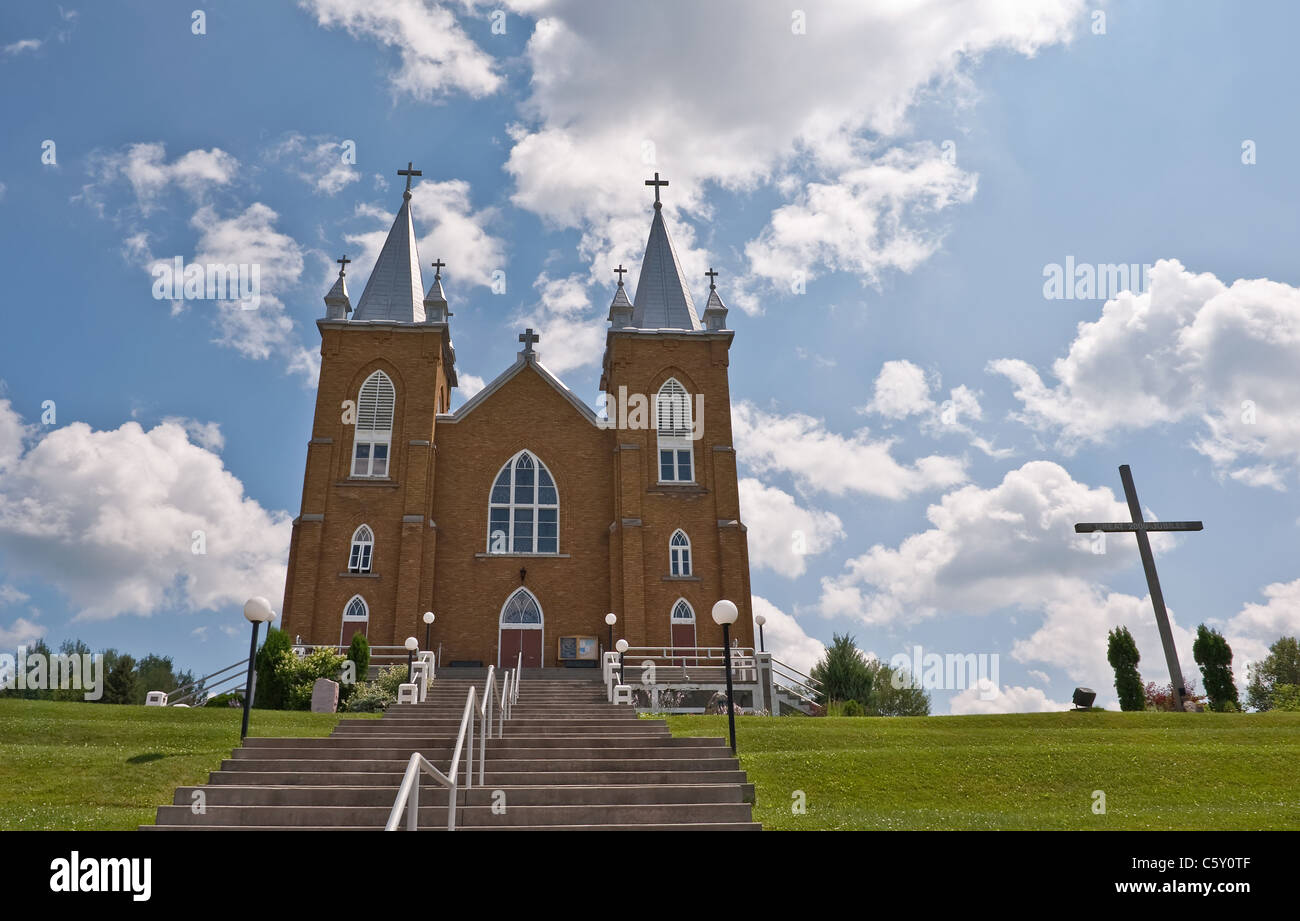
(22,632)
(820,460)
(1007,699)
(855,201)
(1006,546)
(318,161)
(109,519)
(782,534)
(437,56)
(1190,349)
(469,384)
(903,391)
(10,595)
(145,168)
(572,332)
(784,638)
(1257,626)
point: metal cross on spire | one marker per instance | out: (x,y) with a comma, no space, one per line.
(1140,528)
(620,271)
(438,265)
(408,173)
(657,183)
(528,337)
(712,275)
(343,265)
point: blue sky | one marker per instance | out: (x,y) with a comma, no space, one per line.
(920,167)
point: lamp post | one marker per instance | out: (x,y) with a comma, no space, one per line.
(760,620)
(257,611)
(610,619)
(725,614)
(412,644)
(621,646)
(428,623)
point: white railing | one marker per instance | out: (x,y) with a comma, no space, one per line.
(408,794)
(790,680)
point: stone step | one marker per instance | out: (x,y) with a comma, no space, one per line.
(433,815)
(432,794)
(534,765)
(412,742)
(493,778)
(497,750)
(675,826)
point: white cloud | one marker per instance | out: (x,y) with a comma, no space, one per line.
(11,595)
(318,161)
(21,633)
(1009,545)
(572,334)
(781,534)
(1257,626)
(594,131)
(437,57)
(1190,349)
(468,385)
(784,638)
(107,517)
(206,435)
(1008,699)
(457,234)
(902,390)
(820,460)
(24,44)
(144,166)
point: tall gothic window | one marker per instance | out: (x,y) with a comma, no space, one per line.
(673,422)
(374,427)
(679,554)
(524,508)
(363,543)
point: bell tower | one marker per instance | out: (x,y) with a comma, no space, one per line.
(361,556)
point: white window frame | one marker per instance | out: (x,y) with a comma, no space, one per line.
(361,554)
(512,507)
(502,626)
(679,555)
(350,618)
(673,428)
(376,404)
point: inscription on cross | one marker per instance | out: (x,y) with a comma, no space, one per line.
(1140,528)
(528,337)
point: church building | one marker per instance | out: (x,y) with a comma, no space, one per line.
(523,518)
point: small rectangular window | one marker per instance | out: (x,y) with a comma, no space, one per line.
(684,466)
(666,465)
(379,466)
(523,536)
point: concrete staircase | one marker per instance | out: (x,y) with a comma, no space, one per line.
(568,759)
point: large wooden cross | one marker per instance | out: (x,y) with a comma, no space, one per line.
(1140,528)
(408,173)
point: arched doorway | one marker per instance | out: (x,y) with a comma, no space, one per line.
(522,630)
(683,629)
(356,619)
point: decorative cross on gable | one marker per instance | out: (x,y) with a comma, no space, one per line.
(437,268)
(620,271)
(1140,528)
(408,173)
(343,265)
(528,337)
(657,183)
(712,275)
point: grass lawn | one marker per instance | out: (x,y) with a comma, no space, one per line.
(1021,771)
(96,766)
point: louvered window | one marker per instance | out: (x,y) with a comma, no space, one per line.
(374,427)
(673,423)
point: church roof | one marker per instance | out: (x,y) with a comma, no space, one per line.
(395,290)
(526,359)
(663,301)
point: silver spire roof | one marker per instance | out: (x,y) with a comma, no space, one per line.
(395,290)
(662,299)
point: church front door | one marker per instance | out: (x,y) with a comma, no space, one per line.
(521,631)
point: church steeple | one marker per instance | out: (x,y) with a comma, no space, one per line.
(620,309)
(715,312)
(395,290)
(435,302)
(663,301)
(337,304)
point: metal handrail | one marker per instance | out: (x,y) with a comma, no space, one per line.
(408,794)
(196,687)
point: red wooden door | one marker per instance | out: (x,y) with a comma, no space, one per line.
(515,641)
(683,635)
(352,628)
